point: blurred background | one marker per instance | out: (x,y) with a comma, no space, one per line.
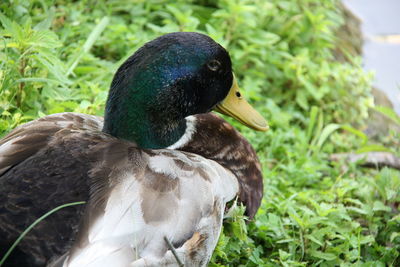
(323,72)
(380,26)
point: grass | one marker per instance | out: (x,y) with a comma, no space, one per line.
(59,56)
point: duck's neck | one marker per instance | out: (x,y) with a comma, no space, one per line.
(144,128)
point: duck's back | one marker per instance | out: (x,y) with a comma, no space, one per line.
(44,164)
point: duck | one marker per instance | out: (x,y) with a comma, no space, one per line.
(156,173)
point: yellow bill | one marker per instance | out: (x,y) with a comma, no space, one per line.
(235,106)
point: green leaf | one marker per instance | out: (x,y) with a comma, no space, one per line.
(323,255)
(7,23)
(394,235)
(43,38)
(283,255)
(379,206)
(315,240)
(46,23)
(301,99)
(388,112)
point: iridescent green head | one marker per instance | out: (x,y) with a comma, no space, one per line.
(166,80)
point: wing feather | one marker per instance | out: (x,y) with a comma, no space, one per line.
(44,164)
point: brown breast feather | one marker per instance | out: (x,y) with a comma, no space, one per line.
(216,139)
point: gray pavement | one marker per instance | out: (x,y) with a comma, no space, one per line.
(381,50)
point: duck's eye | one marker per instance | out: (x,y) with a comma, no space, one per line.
(214,65)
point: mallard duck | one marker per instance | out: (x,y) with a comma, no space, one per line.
(159,166)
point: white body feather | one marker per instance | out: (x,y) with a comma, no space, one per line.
(122,235)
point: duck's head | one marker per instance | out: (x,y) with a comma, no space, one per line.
(168,79)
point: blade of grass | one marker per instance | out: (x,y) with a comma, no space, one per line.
(373,148)
(93,36)
(313,119)
(36,79)
(326,132)
(317,132)
(354,131)
(388,112)
(24,233)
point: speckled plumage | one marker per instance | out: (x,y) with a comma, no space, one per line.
(43,166)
